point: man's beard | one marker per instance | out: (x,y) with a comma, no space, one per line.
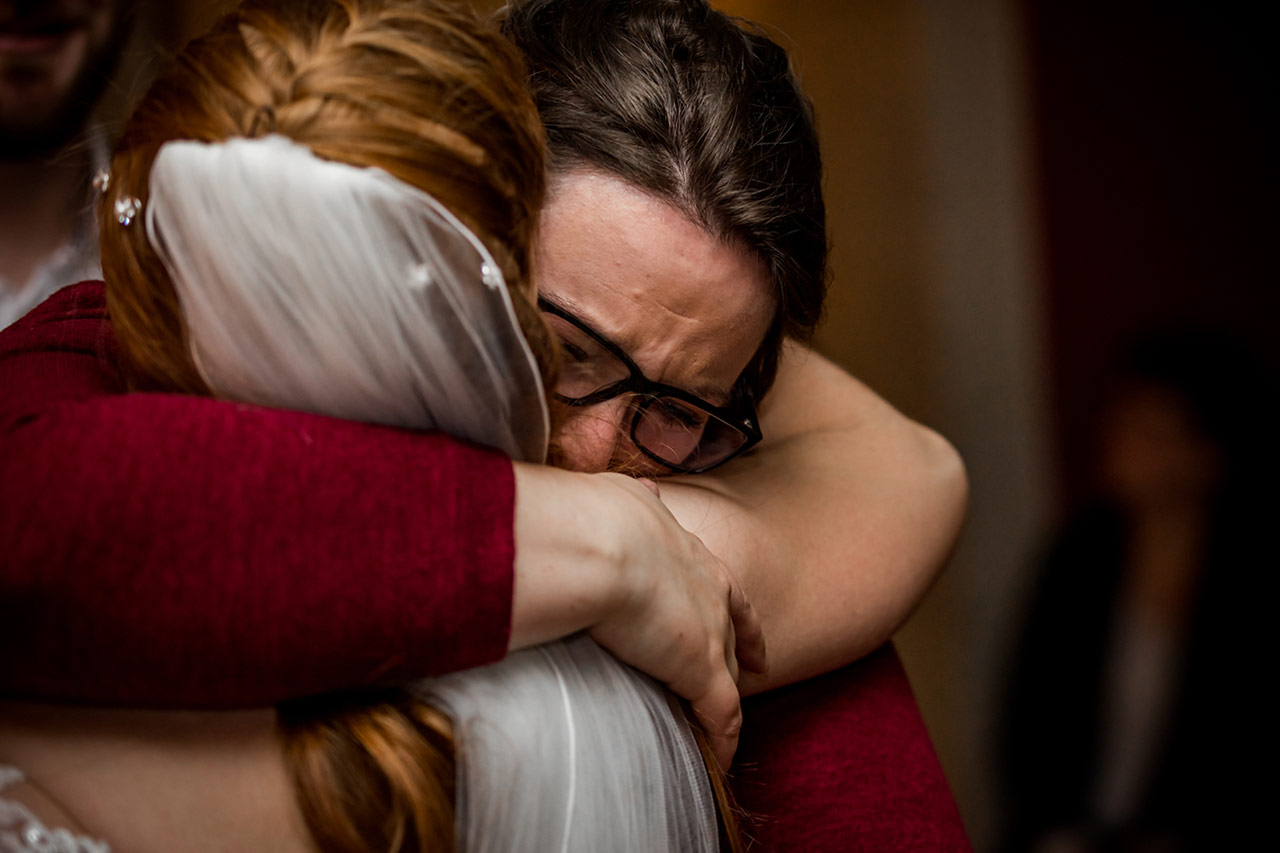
(21,140)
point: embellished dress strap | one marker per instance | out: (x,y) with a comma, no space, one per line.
(23,832)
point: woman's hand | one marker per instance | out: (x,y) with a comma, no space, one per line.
(600,552)
(682,617)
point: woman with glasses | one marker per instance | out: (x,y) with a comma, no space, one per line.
(275,233)
(694,264)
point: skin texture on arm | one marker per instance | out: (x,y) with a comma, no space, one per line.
(836,525)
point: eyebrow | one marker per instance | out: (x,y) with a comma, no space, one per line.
(712,394)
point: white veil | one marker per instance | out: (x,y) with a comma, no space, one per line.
(324,287)
(563,748)
(343,291)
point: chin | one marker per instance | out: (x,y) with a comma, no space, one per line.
(51,74)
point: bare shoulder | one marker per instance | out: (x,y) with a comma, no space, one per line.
(812,395)
(155,780)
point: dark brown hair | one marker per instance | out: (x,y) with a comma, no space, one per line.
(702,110)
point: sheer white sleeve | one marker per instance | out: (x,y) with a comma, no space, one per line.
(23,832)
(564,748)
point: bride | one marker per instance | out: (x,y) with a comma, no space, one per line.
(363,251)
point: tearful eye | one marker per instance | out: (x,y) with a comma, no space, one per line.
(573,351)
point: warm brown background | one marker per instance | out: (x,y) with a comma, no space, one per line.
(1015,187)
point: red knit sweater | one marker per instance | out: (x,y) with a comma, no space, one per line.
(165,550)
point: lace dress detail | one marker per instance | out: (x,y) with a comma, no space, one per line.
(23,832)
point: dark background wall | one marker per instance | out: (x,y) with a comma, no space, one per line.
(1157,148)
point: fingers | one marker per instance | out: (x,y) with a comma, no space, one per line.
(718,707)
(720,713)
(731,657)
(686,621)
(749,646)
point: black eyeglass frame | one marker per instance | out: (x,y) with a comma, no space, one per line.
(741,416)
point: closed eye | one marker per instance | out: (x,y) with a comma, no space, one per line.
(574,351)
(678,415)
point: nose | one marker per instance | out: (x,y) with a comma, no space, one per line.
(593,437)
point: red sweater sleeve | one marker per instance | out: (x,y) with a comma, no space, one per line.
(176,551)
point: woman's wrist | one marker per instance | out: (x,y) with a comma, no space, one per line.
(601,552)
(569,564)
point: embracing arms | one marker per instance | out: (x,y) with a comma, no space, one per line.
(159,549)
(174,551)
(177,551)
(836,525)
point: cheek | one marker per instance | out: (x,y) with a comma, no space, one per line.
(587,437)
(73,59)
(597,438)
(103,16)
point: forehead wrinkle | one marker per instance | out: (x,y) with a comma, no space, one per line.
(678,299)
(665,350)
(700,346)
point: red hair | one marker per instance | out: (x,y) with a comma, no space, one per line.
(423,91)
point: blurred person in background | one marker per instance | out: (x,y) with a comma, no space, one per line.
(1125,724)
(56,59)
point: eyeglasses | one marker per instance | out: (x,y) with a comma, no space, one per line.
(669,425)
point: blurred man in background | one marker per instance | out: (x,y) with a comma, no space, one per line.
(56,60)
(1133,716)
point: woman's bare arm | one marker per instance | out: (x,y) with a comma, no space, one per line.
(838,523)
